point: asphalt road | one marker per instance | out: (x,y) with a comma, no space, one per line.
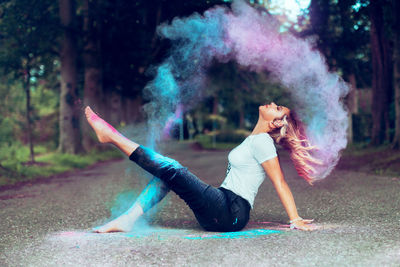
(47,223)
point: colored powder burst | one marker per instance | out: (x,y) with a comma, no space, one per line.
(122,202)
(173,120)
(180,78)
(252,39)
(235,235)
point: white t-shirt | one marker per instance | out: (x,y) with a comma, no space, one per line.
(245,173)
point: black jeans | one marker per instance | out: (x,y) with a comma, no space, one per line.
(216,209)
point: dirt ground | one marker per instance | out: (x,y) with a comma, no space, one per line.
(48,222)
(383,161)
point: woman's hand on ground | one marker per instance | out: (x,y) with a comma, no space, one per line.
(302,225)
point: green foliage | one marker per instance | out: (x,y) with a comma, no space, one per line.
(213,122)
(206,142)
(6,130)
(45,101)
(231,136)
(29,33)
(241,91)
(49,163)
(342,31)
(225,139)
(14,155)
(11,157)
(11,150)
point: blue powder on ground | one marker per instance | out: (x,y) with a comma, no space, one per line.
(235,235)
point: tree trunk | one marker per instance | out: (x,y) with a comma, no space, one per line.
(28,112)
(214,123)
(380,74)
(131,109)
(70,141)
(93,86)
(319,18)
(215,104)
(114,107)
(396,80)
(352,104)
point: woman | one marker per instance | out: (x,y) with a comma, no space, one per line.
(225,208)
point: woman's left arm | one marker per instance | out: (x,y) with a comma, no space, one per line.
(274,171)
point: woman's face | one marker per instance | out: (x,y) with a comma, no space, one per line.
(273,112)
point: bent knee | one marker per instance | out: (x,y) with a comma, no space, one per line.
(172,167)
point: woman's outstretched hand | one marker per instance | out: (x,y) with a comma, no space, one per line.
(302,224)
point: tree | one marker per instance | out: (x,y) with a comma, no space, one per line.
(93,72)
(396,81)
(70,141)
(381,72)
(350,50)
(27,30)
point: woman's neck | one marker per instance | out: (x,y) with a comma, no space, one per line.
(261,127)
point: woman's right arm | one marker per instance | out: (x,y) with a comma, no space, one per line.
(274,172)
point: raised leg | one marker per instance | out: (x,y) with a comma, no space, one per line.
(108,134)
(154,192)
(185,184)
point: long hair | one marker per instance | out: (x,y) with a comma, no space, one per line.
(292,137)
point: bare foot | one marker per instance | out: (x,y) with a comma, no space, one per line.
(104,131)
(123,223)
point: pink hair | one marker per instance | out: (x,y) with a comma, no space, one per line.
(292,137)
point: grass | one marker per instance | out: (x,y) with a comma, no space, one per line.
(51,163)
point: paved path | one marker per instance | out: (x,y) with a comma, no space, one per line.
(47,223)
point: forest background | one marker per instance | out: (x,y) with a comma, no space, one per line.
(57,57)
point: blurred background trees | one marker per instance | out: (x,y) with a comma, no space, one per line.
(57,57)
(25,57)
